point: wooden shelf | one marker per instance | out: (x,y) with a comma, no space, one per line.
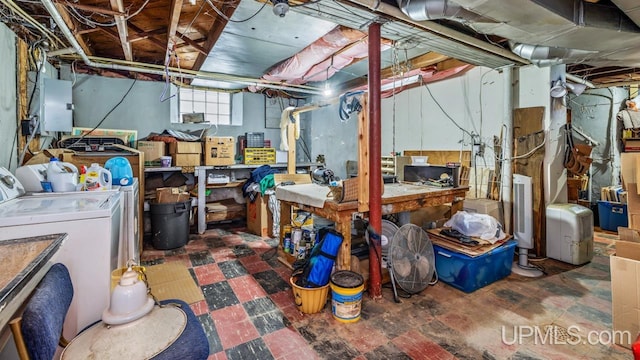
(162,169)
(231,184)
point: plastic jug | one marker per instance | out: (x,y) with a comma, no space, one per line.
(121,171)
(97,178)
(62,176)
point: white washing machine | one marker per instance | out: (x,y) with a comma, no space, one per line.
(92,220)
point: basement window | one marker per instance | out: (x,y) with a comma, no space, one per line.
(208,106)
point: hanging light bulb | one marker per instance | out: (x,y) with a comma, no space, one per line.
(327,90)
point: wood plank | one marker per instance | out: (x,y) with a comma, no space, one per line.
(90,8)
(421,61)
(363,156)
(72,25)
(142,35)
(215,31)
(151,39)
(192,43)
(291,155)
(296,178)
(123,31)
(174,18)
(533,166)
(473,251)
(527,120)
(442,157)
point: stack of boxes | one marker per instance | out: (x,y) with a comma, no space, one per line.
(152,150)
(186,153)
(625,264)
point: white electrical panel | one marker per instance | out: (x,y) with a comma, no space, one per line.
(56,107)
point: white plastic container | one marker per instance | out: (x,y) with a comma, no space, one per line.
(97,178)
(62,176)
(569,233)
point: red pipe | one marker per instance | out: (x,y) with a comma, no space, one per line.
(375,170)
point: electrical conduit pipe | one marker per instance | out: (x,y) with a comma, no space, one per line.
(48,4)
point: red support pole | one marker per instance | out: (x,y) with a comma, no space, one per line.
(375,170)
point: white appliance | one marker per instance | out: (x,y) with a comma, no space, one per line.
(129,248)
(523,225)
(92,220)
(569,233)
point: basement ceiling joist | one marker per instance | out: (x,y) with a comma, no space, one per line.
(354,16)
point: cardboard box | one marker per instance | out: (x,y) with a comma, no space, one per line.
(185,147)
(219,150)
(629,169)
(171,195)
(186,159)
(152,150)
(633,199)
(259,218)
(625,292)
(627,234)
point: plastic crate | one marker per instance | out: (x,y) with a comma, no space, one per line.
(468,273)
(254,139)
(612,215)
(259,156)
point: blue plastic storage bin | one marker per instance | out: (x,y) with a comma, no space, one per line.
(468,273)
(612,215)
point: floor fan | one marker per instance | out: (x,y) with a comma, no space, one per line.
(410,260)
(523,225)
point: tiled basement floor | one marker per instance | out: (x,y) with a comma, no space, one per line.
(249,311)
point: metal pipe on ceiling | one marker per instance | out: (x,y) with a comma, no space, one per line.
(169,71)
(579,80)
(377,6)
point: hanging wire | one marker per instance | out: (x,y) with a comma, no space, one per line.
(447,114)
(135,79)
(86,19)
(222,15)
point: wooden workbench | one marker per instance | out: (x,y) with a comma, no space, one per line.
(396,198)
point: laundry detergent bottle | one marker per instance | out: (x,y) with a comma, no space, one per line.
(97,178)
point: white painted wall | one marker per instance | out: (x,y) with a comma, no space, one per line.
(594,112)
(143,111)
(474,101)
(8,90)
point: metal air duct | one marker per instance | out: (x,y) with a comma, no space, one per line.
(420,10)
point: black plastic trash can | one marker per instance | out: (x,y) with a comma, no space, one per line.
(170,224)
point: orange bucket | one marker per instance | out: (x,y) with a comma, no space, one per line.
(309,300)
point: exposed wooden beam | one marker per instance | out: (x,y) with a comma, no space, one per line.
(123,31)
(608,72)
(151,39)
(71,24)
(90,8)
(214,32)
(142,35)
(86,31)
(192,43)
(112,34)
(449,64)
(174,17)
(428,59)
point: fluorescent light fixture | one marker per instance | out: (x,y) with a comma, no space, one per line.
(400,83)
